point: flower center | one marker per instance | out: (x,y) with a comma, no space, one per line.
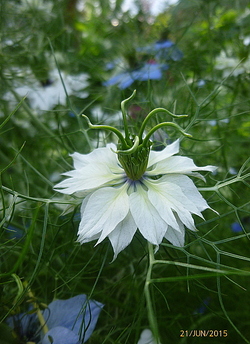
(135,163)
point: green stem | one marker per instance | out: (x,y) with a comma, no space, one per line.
(23,253)
(151,114)
(36,120)
(42,200)
(223,184)
(151,316)
(14,159)
(13,112)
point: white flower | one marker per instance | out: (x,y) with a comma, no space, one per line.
(46,98)
(159,204)
(231,65)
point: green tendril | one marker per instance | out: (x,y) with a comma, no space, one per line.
(164,124)
(107,127)
(154,112)
(124,115)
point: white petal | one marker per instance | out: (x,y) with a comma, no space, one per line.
(84,204)
(146,217)
(189,188)
(122,234)
(101,155)
(83,239)
(177,164)
(176,200)
(79,160)
(102,212)
(87,178)
(176,238)
(92,170)
(158,200)
(155,157)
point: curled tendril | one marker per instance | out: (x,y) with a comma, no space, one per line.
(107,127)
(154,112)
(164,124)
(124,115)
(126,142)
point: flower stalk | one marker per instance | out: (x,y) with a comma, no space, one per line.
(39,314)
(151,315)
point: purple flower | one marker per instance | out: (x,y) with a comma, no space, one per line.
(69,321)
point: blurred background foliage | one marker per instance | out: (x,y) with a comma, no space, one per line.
(58,58)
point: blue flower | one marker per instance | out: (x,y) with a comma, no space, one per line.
(152,48)
(149,71)
(201,83)
(163,44)
(236,227)
(60,335)
(69,321)
(163,50)
(110,65)
(25,326)
(156,53)
(123,80)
